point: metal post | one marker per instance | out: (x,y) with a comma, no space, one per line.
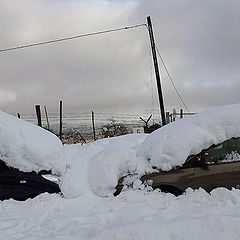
(38,112)
(60,126)
(160,95)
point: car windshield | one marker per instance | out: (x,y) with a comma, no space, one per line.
(228,151)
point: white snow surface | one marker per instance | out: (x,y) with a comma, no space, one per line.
(133,215)
(93,171)
(28,147)
(171,145)
(97,167)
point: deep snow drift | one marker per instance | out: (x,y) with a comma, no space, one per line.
(94,169)
(99,165)
(171,145)
(28,147)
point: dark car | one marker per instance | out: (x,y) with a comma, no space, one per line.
(217,166)
(21,185)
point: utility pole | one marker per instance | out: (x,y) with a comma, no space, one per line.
(160,95)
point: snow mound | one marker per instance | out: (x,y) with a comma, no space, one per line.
(171,145)
(28,147)
(97,166)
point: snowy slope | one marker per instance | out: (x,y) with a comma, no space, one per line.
(28,147)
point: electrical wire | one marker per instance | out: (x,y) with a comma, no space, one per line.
(168,73)
(98,33)
(151,69)
(71,38)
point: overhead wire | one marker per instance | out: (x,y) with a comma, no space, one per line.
(98,33)
(169,76)
(71,38)
(151,70)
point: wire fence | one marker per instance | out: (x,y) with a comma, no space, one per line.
(78,127)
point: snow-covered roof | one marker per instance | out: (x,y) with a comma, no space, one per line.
(28,147)
(172,144)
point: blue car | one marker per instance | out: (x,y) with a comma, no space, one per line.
(21,185)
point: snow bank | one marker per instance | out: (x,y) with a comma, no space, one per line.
(171,145)
(28,147)
(96,167)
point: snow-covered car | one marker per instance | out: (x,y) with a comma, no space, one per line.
(217,166)
(199,151)
(30,159)
(21,185)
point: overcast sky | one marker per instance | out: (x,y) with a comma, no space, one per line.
(199,41)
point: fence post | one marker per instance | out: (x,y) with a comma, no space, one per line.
(167,117)
(94,133)
(48,124)
(60,125)
(38,112)
(181,113)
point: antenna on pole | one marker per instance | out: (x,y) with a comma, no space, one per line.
(155,62)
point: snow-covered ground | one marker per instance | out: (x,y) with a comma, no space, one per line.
(133,215)
(89,173)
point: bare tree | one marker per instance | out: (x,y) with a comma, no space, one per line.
(114,129)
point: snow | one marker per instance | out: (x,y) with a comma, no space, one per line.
(28,147)
(133,215)
(98,166)
(171,145)
(87,210)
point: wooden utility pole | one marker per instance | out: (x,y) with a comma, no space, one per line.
(48,124)
(160,95)
(38,112)
(94,133)
(60,125)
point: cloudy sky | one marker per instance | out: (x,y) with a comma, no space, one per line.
(199,42)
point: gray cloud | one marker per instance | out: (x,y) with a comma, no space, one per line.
(198,41)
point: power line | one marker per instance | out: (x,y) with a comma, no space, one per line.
(71,38)
(92,34)
(166,69)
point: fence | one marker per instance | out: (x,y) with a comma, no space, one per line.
(78,127)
